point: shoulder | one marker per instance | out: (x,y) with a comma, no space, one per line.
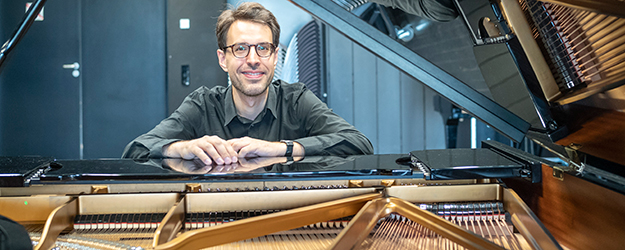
(204,93)
(289,90)
(297,96)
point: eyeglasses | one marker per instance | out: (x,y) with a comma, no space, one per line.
(241,50)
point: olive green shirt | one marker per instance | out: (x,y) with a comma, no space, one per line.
(292,113)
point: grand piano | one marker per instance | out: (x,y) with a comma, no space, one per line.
(558,84)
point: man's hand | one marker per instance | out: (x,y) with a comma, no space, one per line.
(250,147)
(208,149)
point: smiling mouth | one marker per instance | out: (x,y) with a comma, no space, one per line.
(253,74)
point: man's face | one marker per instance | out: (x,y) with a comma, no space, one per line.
(250,75)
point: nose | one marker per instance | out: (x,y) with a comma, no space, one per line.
(252,56)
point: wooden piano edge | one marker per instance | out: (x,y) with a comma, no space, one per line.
(578,213)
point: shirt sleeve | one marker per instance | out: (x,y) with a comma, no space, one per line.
(327,132)
(180,125)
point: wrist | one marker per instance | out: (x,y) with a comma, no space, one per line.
(289,148)
(168,149)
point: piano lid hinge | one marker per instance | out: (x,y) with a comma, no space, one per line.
(489,31)
(575,165)
(575,162)
(558,171)
(355,184)
(388,183)
(193,188)
(99,189)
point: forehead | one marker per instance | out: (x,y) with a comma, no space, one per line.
(248,32)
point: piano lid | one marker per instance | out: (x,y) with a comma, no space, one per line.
(15,170)
(480,106)
(256,169)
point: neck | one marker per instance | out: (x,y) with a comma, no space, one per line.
(249,106)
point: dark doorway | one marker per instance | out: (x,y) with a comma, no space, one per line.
(118,94)
(39,103)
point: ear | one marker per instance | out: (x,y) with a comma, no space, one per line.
(222,60)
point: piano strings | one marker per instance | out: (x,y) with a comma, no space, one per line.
(585,47)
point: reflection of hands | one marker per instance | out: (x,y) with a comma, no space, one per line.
(259,162)
(194,166)
(209,149)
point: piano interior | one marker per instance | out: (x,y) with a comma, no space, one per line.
(406,214)
(566,60)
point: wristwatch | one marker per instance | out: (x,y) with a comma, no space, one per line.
(289,147)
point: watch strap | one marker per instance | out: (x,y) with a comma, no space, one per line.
(289,148)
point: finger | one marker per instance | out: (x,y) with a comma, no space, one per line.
(217,159)
(232,152)
(201,154)
(225,151)
(247,152)
(223,148)
(236,144)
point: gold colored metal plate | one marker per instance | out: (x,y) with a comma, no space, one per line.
(558,173)
(266,224)
(99,189)
(194,188)
(388,183)
(353,184)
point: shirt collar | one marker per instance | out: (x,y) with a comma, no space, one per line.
(230,111)
(272,98)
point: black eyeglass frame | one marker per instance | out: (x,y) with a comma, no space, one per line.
(249,47)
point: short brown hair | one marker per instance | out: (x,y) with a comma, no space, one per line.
(249,11)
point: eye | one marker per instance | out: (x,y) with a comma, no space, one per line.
(262,47)
(240,47)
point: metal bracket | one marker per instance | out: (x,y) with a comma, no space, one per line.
(99,189)
(493,38)
(355,183)
(193,188)
(388,183)
(575,165)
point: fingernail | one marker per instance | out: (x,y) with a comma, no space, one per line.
(227,161)
(207,161)
(234,159)
(220,161)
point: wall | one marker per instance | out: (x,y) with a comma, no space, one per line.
(194,47)
(124,72)
(397,113)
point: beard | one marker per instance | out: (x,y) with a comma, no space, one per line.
(251,90)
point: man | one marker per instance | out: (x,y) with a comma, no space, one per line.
(255,116)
